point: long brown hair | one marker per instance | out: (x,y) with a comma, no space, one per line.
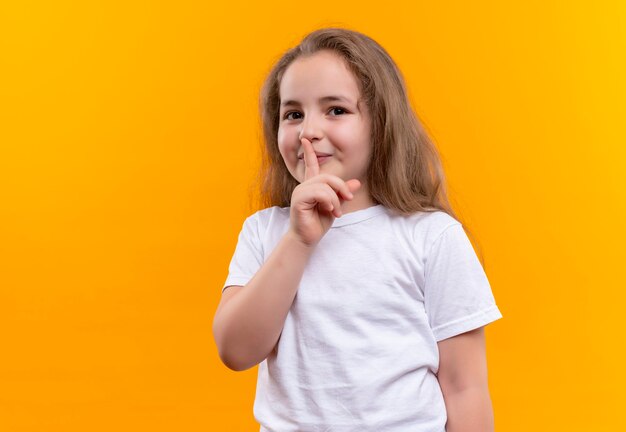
(405,173)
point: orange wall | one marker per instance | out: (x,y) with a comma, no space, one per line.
(128,141)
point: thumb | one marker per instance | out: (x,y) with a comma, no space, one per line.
(353,185)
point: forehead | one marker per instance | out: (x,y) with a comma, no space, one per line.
(321,74)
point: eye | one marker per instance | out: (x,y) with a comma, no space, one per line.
(337,110)
(286,116)
(343,111)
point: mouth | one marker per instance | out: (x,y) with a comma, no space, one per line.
(321,160)
(319,155)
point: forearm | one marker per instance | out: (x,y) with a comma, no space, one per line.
(469,410)
(249,325)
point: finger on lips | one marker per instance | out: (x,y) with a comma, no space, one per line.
(338,188)
(311,166)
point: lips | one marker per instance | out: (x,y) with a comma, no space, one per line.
(318,154)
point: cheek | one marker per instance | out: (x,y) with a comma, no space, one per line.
(355,147)
(286,147)
(282,141)
(350,141)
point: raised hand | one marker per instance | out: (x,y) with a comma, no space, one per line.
(317,200)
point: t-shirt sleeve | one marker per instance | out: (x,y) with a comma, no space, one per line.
(248,255)
(457,293)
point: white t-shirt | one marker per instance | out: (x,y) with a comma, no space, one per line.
(358,351)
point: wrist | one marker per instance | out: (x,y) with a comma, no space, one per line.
(295,241)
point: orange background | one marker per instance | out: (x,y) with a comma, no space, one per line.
(129,140)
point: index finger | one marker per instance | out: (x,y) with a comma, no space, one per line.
(311,166)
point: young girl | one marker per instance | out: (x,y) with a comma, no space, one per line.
(356,291)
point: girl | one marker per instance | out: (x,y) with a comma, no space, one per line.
(356,290)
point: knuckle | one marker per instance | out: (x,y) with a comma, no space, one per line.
(321,195)
(331,191)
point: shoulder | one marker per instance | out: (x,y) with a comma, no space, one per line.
(424,226)
(439,225)
(267,218)
(433,219)
(269,215)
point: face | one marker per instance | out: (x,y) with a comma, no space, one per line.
(320,101)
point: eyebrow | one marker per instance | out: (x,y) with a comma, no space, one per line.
(321,100)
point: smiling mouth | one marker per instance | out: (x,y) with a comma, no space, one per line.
(321,160)
(319,155)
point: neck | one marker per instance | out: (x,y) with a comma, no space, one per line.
(361,200)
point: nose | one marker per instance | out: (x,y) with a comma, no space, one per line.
(311,129)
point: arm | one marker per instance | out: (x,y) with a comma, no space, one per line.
(463,379)
(249,320)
